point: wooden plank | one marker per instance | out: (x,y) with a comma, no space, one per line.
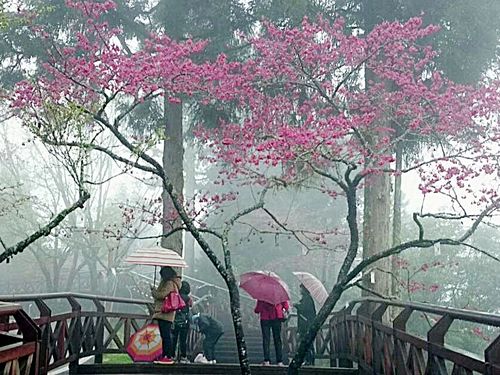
(202,369)
(14,351)
(7,308)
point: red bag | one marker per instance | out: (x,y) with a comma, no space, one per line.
(172,302)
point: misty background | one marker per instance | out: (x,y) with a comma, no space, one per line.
(85,253)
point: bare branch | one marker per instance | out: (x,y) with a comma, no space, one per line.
(256,206)
(495,205)
(359,285)
(45,230)
(3,244)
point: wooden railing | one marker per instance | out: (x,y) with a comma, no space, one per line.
(73,325)
(81,327)
(67,327)
(362,333)
(18,351)
(290,339)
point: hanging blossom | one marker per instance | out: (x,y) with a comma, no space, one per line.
(318,97)
(310,98)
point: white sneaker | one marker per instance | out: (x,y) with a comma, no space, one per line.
(184,360)
(212,362)
(266,363)
(200,358)
(280,364)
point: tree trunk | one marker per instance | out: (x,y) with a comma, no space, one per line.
(308,339)
(190,190)
(337,290)
(234,300)
(173,165)
(377,194)
(396,219)
(93,276)
(377,230)
(73,272)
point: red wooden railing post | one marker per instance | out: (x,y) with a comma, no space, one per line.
(18,353)
(31,333)
(75,338)
(45,338)
(492,357)
(99,337)
(435,337)
(399,324)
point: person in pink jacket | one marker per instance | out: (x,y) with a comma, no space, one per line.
(271,317)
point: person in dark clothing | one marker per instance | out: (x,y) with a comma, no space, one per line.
(306,312)
(182,322)
(212,329)
(271,317)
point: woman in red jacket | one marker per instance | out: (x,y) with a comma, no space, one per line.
(271,317)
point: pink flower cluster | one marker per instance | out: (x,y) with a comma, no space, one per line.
(312,98)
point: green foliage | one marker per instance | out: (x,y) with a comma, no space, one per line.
(468,40)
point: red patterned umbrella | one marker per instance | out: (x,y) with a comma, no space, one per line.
(145,345)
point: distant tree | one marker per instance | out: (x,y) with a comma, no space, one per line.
(14,197)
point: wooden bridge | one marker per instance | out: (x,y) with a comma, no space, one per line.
(39,333)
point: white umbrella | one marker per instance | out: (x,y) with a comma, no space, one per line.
(313,285)
(158,257)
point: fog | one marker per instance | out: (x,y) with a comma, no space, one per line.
(303,224)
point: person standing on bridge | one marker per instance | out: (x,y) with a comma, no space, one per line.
(271,317)
(170,283)
(306,312)
(182,322)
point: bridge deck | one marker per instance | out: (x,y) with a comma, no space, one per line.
(198,369)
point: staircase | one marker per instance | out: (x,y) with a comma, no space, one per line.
(226,351)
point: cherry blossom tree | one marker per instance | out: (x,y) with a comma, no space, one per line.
(89,88)
(307,112)
(305,115)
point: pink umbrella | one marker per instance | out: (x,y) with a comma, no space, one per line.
(265,286)
(313,285)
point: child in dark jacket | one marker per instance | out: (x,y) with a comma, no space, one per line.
(182,322)
(212,329)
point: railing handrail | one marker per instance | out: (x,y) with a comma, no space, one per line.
(94,332)
(455,313)
(45,296)
(9,308)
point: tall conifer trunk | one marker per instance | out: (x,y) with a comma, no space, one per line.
(377,194)
(396,218)
(173,164)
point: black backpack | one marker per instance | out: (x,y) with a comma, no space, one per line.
(183,316)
